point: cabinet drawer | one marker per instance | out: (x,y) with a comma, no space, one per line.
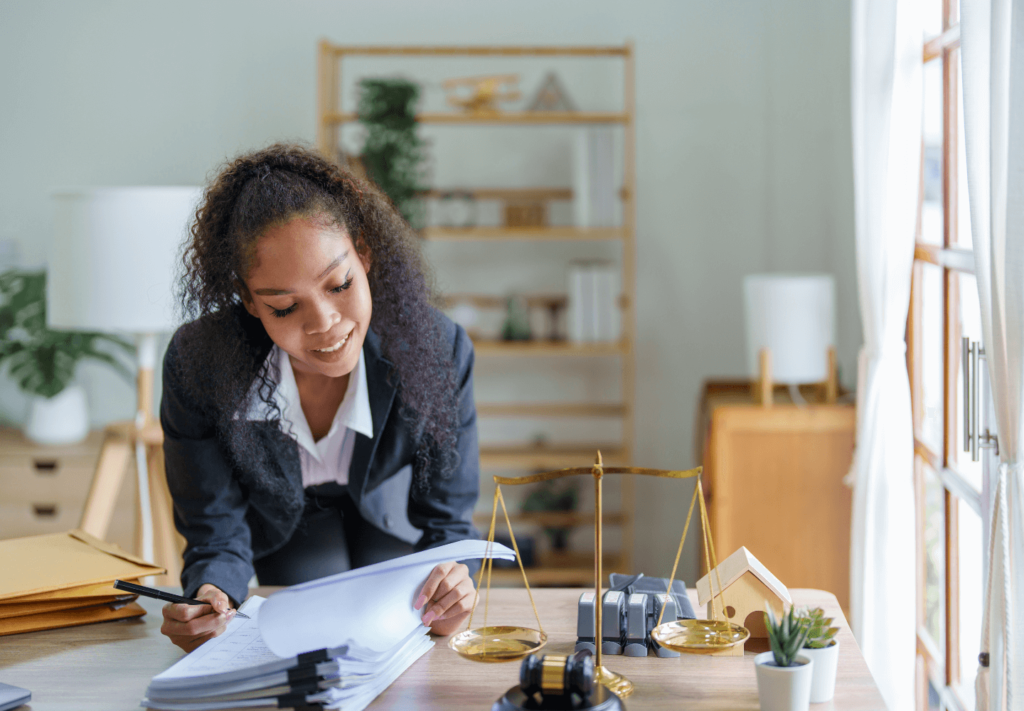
(19,520)
(68,484)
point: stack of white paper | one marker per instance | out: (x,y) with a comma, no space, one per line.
(337,642)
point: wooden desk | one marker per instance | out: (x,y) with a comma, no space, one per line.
(108,666)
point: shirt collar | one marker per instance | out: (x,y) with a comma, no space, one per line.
(353,413)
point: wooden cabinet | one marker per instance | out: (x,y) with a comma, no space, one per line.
(43,488)
(774,483)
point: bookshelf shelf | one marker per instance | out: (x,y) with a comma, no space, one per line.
(551,409)
(545,458)
(507,118)
(549,348)
(477,234)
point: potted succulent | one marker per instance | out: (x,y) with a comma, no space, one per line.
(822,648)
(784,674)
(42,362)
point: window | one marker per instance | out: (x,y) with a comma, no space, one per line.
(943,309)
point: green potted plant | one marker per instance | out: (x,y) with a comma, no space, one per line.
(43,362)
(393,152)
(822,647)
(784,674)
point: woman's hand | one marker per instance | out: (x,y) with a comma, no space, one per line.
(188,626)
(446,598)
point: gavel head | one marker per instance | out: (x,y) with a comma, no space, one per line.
(557,675)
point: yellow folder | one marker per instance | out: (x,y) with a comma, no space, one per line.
(69,618)
(57,562)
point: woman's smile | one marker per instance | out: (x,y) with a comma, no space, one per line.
(308,286)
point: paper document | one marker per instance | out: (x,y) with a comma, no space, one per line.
(371,605)
(363,621)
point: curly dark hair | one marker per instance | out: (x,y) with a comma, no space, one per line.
(227,347)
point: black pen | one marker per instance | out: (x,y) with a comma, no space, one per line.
(165,596)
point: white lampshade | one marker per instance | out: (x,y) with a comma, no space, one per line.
(114,257)
(794,316)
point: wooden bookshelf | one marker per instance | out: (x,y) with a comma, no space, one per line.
(552,568)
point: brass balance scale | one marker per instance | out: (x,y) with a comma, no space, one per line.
(505,644)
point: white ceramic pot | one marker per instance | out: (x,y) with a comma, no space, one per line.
(784,688)
(61,419)
(823,680)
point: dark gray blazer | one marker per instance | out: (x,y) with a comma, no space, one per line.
(229,516)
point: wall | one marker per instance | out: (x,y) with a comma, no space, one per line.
(743,160)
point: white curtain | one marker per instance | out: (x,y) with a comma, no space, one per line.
(992,46)
(887,101)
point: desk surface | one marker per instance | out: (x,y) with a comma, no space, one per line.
(108,666)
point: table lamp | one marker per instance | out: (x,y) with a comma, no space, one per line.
(112,268)
(791,332)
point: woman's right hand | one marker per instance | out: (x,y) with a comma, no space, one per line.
(188,626)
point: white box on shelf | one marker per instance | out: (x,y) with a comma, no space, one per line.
(594,200)
(593,308)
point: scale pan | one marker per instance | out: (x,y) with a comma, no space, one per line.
(699,636)
(497,644)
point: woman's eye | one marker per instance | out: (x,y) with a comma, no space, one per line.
(339,289)
(281,313)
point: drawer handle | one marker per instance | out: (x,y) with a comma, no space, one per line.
(45,466)
(45,510)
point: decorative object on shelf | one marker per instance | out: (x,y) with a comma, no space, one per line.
(112,269)
(548,496)
(557,683)
(594,195)
(456,208)
(790,320)
(43,361)
(594,315)
(701,636)
(533,213)
(393,153)
(784,674)
(517,320)
(484,93)
(749,584)
(551,96)
(822,648)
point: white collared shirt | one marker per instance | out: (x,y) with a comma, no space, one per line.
(330,458)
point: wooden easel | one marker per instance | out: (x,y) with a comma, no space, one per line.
(119,446)
(763,389)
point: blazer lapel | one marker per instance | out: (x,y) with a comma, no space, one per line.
(381,395)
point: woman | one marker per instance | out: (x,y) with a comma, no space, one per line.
(318,413)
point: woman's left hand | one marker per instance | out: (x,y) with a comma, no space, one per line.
(446,598)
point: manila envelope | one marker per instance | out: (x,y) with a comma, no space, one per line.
(69,618)
(59,561)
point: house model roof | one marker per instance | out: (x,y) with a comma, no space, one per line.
(732,569)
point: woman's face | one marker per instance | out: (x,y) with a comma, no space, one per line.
(308,286)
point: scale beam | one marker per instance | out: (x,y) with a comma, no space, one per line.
(580,471)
